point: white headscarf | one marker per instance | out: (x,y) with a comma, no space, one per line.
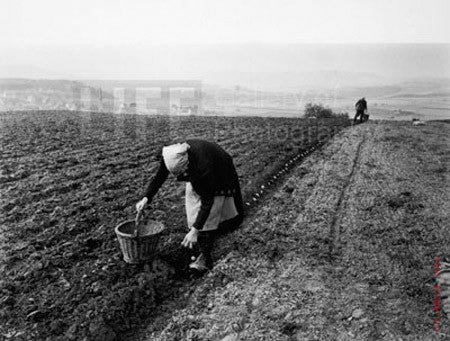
(176,158)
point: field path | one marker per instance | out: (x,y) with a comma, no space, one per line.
(377,197)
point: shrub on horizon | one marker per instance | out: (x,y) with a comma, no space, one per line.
(319,111)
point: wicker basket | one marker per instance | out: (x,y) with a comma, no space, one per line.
(139,245)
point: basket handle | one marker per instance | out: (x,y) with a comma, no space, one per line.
(136,223)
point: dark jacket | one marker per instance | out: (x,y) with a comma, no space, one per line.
(211,172)
(361,105)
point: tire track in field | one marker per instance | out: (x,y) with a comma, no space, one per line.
(335,225)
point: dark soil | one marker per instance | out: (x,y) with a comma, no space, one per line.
(67,179)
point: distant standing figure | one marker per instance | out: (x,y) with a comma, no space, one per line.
(361,108)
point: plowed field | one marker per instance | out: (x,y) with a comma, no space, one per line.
(67,179)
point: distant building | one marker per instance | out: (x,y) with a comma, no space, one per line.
(158,96)
(190,104)
(11,94)
(123,98)
(71,106)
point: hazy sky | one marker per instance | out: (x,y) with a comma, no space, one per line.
(149,38)
(213,21)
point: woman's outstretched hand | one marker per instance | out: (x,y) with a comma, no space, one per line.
(191,238)
(141,204)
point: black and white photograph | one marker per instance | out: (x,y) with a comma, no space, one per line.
(236,170)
